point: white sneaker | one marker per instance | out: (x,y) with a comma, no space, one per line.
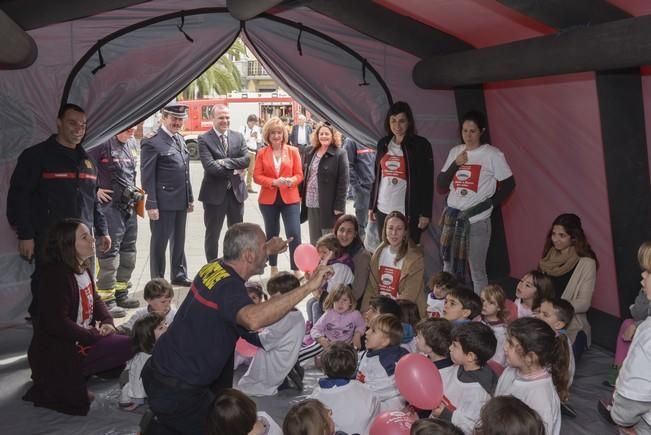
(115,311)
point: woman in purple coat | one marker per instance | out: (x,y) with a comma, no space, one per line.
(74,336)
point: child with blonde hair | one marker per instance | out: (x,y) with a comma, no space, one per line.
(494,314)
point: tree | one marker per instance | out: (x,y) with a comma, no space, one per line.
(221,77)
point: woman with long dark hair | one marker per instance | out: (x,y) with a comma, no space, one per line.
(347,232)
(74,336)
(570,262)
(404,169)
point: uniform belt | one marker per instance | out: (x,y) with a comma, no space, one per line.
(170,381)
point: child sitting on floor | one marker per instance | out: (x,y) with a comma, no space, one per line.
(378,363)
(471,383)
(532,288)
(158,295)
(437,288)
(462,305)
(334,256)
(538,362)
(409,317)
(234,413)
(356,413)
(494,314)
(255,292)
(281,342)
(632,397)
(434,426)
(434,336)
(340,323)
(507,415)
(309,417)
(144,335)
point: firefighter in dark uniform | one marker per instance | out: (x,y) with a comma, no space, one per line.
(54,180)
(116,161)
(165,173)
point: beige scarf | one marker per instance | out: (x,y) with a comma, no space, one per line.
(557,263)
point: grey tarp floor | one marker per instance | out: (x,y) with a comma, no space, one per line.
(18,417)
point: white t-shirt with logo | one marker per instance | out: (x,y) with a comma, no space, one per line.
(86,302)
(393,180)
(476,180)
(389,273)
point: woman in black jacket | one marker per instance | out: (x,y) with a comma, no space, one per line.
(326,181)
(404,173)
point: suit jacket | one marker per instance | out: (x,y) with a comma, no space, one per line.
(293,137)
(265,173)
(219,166)
(165,170)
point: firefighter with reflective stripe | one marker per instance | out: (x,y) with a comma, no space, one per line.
(116,161)
(53,180)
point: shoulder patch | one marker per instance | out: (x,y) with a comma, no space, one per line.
(212,273)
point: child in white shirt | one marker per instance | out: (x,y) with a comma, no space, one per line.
(532,288)
(158,294)
(146,332)
(471,383)
(437,288)
(632,397)
(356,413)
(281,343)
(531,346)
(494,314)
(378,364)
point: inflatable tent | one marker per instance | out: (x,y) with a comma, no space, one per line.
(563,84)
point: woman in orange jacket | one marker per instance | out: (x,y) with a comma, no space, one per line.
(278,171)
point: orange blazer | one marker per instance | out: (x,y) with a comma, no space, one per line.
(265,173)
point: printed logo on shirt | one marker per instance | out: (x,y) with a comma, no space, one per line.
(467,178)
(361,377)
(389,281)
(86,304)
(393,166)
(448,404)
(211,274)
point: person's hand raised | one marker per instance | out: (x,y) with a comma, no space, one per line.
(276,245)
(319,277)
(462,158)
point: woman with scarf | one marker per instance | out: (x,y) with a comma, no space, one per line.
(404,169)
(572,266)
(347,232)
(471,174)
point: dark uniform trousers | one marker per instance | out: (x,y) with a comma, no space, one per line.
(170,227)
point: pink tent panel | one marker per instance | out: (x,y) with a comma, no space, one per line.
(633,7)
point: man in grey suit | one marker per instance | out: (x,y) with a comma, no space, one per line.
(165,173)
(224,156)
(300,136)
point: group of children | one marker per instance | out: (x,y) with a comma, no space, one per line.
(498,361)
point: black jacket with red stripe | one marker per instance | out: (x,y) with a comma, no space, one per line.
(50,183)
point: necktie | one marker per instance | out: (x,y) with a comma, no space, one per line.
(224,142)
(177,142)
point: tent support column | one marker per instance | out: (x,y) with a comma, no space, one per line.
(621,104)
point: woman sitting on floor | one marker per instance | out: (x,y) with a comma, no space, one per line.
(74,336)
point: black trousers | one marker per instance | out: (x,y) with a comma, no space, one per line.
(213,218)
(170,227)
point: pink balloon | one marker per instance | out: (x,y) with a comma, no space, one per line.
(306,257)
(512,309)
(392,423)
(419,381)
(245,348)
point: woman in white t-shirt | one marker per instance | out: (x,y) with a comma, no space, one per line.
(404,173)
(396,266)
(471,174)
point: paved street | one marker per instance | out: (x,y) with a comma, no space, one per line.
(194,240)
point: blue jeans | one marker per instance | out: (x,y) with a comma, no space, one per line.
(362,198)
(291,214)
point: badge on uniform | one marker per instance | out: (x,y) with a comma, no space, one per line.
(464,192)
(88,164)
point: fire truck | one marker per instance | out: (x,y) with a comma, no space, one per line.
(241,104)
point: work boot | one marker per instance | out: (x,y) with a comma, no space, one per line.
(115,311)
(124,301)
